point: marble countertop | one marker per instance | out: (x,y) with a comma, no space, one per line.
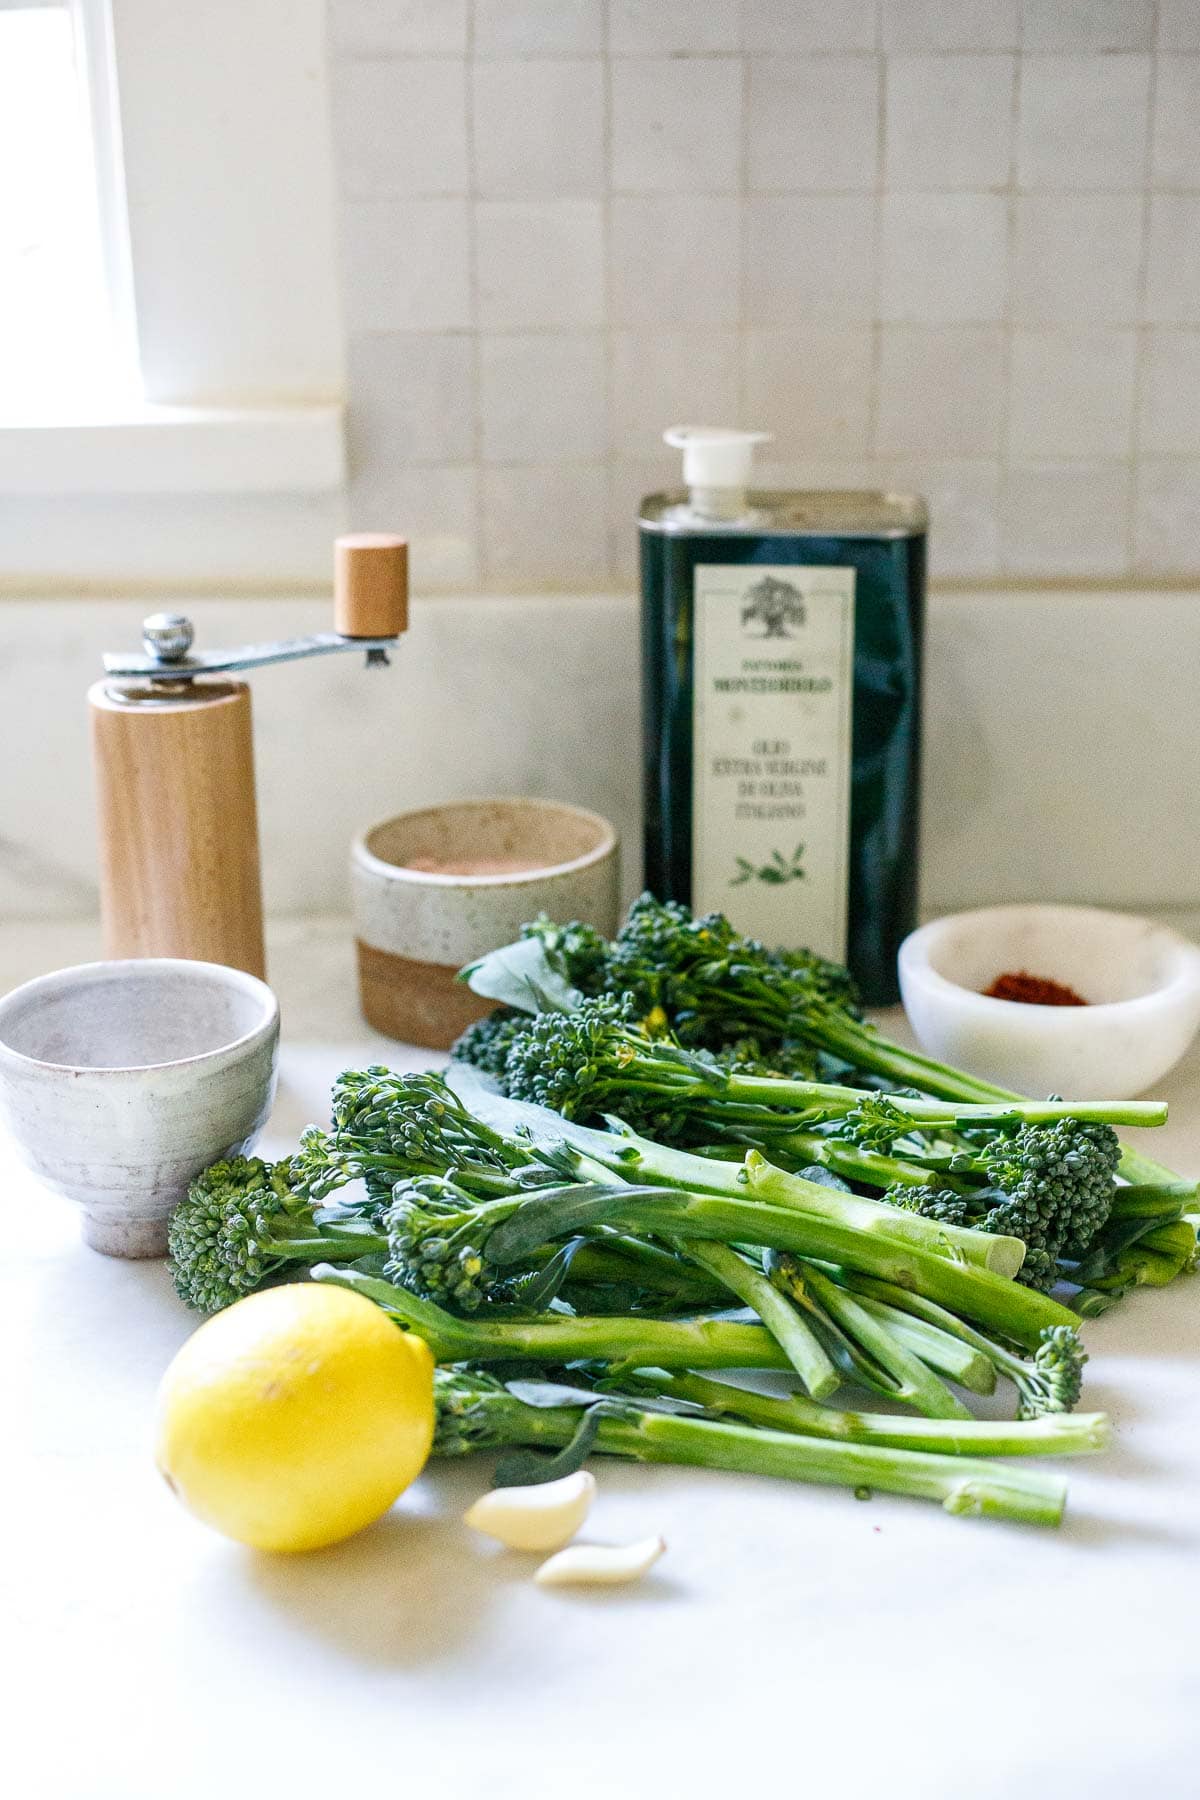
(790,1634)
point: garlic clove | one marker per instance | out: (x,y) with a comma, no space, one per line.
(600,1564)
(543,1517)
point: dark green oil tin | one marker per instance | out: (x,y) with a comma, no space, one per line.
(881,538)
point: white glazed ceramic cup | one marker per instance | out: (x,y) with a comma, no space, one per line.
(415,928)
(120,1081)
(1141,982)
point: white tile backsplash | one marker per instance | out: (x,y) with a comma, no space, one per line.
(809,257)
(392,27)
(1066,519)
(1072,393)
(1173,260)
(811,387)
(1178,25)
(406,265)
(564,374)
(951,24)
(952,242)
(1088,24)
(1170,419)
(1167,515)
(944,257)
(676,124)
(546,524)
(783,25)
(411,399)
(440,507)
(539,264)
(539,126)
(675,258)
(1083,121)
(539,27)
(1176,162)
(940,393)
(664,378)
(949,121)
(812,122)
(641,27)
(1077,258)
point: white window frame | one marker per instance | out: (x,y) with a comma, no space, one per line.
(216,185)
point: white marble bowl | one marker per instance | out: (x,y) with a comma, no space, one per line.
(435,888)
(1141,982)
(120,1081)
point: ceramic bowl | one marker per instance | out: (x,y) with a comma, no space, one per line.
(436,888)
(120,1081)
(1141,982)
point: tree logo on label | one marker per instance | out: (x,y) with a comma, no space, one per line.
(772,609)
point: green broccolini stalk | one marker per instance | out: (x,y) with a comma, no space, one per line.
(1018,1313)
(711,984)
(1050,1382)
(594,1059)
(1049,1434)
(694,1343)
(1052,1185)
(896,1369)
(795,1337)
(477,1413)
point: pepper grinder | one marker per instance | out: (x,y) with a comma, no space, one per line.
(173,754)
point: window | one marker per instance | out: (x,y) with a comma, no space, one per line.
(58,342)
(168,302)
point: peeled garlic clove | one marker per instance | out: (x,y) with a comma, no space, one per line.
(535,1518)
(601,1564)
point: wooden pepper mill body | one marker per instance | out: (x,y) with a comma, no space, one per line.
(178,822)
(174,762)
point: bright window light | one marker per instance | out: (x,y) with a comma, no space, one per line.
(58,342)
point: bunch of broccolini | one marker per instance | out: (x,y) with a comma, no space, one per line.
(678,1153)
(694,985)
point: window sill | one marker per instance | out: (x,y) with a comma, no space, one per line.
(179,450)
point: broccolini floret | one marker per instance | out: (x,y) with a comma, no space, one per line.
(241,1222)
(486,1043)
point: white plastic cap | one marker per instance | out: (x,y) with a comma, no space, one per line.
(715,456)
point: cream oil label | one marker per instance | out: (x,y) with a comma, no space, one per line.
(773,690)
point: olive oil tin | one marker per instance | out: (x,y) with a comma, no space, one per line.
(781,674)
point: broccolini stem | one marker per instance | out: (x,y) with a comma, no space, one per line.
(634,1157)
(776,1090)
(1019,1313)
(963,1485)
(948,1355)
(702,1343)
(794,1337)
(851,1161)
(910,1379)
(863,1046)
(1055,1434)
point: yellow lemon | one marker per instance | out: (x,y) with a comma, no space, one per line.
(295,1417)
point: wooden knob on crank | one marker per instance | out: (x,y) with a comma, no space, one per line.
(370,585)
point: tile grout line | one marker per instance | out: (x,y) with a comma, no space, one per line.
(1143,340)
(608,330)
(479,509)
(743,204)
(876,359)
(1004,548)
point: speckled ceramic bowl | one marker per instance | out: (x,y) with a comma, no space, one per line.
(120,1081)
(420,912)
